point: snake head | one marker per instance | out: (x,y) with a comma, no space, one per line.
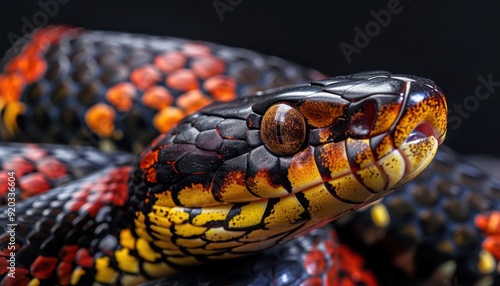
(240,176)
(382,129)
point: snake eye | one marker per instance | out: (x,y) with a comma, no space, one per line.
(283,129)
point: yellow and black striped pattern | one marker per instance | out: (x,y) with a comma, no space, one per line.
(246,198)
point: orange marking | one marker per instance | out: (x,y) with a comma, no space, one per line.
(182,79)
(207,66)
(31,67)
(52,168)
(34,184)
(91,208)
(481,221)
(145,76)
(350,257)
(332,276)
(100,119)
(11,87)
(167,118)
(4,187)
(325,134)
(19,165)
(322,114)
(489,223)
(333,157)
(221,87)
(492,244)
(314,262)
(35,48)
(386,115)
(149,160)
(43,267)
(91,198)
(118,194)
(170,61)
(82,193)
(157,97)
(84,259)
(68,252)
(74,205)
(64,271)
(331,244)
(11,112)
(29,62)
(196,49)
(494,223)
(122,95)
(151,175)
(53,34)
(193,100)
(353,264)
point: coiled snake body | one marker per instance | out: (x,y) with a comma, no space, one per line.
(224,180)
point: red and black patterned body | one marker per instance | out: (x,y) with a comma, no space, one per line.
(58,233)
(115,90)
(41,167)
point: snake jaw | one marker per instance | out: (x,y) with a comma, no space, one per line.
(418,153)
(421,128)
(387,149)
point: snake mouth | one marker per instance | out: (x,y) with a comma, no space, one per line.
(418,150)
(422,131)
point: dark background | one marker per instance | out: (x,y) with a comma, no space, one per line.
(452,43)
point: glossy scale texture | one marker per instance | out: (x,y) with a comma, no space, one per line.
(168,79)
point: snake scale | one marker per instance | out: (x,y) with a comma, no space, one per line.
(249,163)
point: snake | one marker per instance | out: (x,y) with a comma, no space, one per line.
(171,161)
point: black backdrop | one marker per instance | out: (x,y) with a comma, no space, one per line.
(455,44)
